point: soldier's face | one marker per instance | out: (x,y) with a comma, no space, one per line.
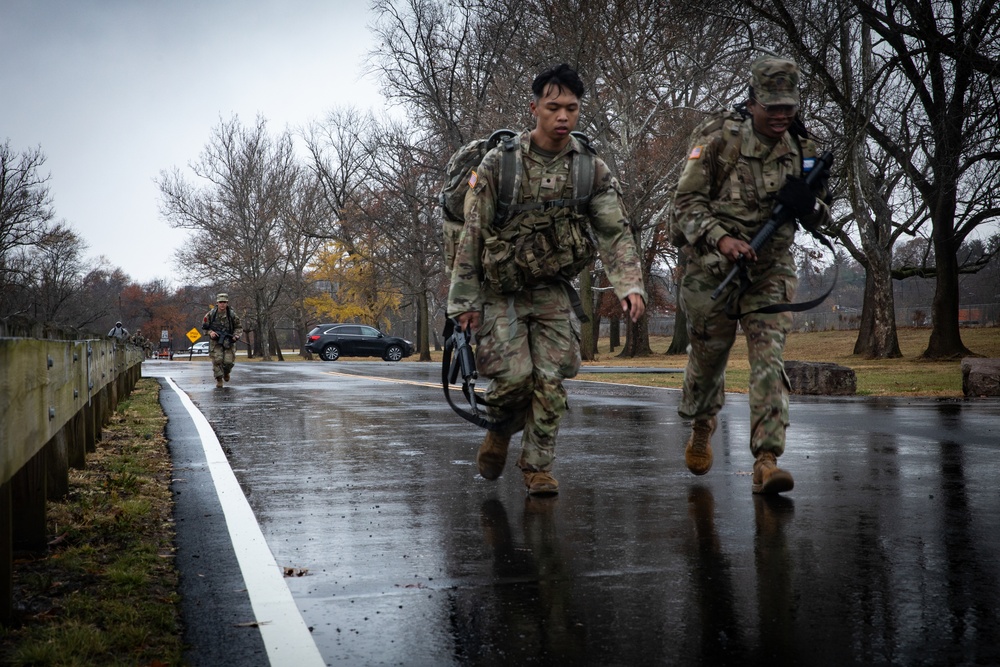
(556,114)
(772,121)
(223,305)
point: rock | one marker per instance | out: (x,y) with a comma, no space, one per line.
(821,378)
(980,377)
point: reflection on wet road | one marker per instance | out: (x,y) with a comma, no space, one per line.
(887,551)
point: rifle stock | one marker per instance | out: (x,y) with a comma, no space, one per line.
(778,218)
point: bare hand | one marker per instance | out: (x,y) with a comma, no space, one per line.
(733,249)
(468,319)
(634,305)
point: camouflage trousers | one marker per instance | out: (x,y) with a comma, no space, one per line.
(528,343)
(223,360)
(712,335)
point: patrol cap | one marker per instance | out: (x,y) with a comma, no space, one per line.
(222,297)
(775,81)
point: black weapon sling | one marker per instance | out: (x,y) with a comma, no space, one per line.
(449,376)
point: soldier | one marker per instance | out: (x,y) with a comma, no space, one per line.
(224,329)
(119,333)
(717,213)
(528,331)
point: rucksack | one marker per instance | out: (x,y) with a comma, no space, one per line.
(467,158)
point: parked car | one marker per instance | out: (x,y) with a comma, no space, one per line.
(332,341)
(198,348)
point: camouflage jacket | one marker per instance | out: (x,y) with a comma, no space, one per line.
(744,199)
(543,179)
(231,323)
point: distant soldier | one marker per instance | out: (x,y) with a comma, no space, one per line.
(224,329)
(521,309)
(718,212)
(119,333)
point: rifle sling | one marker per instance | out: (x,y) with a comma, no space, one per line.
(482,422)
(733,311)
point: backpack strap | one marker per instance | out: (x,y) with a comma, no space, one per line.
(509,173)
(582,173)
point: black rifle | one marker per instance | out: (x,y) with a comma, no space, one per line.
(779,216)
(458,343)
(226,338)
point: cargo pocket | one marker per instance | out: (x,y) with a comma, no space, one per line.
(499,267)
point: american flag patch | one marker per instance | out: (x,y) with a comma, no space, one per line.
(473,179)
(695,153)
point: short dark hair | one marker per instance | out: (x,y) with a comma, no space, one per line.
(563,77)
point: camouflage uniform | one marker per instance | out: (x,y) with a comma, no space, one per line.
(529,337)
(223,359)
(739,208)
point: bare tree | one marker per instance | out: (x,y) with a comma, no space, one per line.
(25,211)
(238,214)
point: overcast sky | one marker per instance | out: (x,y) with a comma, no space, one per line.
(115,91)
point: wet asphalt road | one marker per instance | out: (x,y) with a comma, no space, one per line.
(886,552)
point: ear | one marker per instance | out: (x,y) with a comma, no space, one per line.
(533,108)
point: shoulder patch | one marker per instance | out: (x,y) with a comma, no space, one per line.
(473,179)
(695,153)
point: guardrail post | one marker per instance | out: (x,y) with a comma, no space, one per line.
(28,494)
(78,440)
(6,557)
(56,454)
(90,426)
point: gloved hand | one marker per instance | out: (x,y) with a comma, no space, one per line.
(797,197)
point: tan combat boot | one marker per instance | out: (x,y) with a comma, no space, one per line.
(540,483)
(768,477)
(698,451)
(218,383)
(226,376)
(492,454)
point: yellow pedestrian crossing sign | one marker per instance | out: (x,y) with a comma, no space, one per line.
(193,335)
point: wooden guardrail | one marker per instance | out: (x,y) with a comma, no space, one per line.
(55,398)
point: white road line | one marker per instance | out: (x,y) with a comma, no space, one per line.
(285,634)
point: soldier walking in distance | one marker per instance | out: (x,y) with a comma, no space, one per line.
(734,176)
(510,281)
(224,329)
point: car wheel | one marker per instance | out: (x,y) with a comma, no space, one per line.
(393,353)
(330,353)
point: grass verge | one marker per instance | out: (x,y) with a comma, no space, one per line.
(906,376)
(105,592)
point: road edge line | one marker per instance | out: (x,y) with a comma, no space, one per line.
(286,636)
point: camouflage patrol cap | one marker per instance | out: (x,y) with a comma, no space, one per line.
(222,297)
(775,80)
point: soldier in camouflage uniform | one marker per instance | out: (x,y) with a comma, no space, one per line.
(510,285)
(222,319)
(717,215)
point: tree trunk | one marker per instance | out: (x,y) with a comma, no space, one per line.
(423,327)
(877,337)
(615,332)
(588,344)
(679,343)
(272,335)
(946,339)
(636,339)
